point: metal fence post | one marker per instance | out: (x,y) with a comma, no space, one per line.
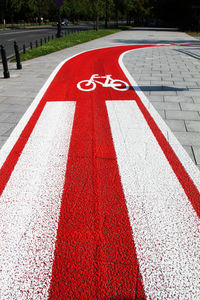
(19,65)
(4,62)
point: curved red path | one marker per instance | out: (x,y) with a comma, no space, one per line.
(95,256)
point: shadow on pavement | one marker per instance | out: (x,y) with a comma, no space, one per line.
(159,88)
(146,41)
(190,53)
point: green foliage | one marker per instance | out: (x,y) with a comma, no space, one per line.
(175,13)
(171,12)
(65,42)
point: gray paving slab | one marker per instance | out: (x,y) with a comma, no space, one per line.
(188,138)
(162,113)
(191,153)
(182,115)
(167,106)
(6,129)
(2,140)
(196,150)
(190,106)
(178,99)
(169,77)
(193,126)
(196,99)
(176,125)
(156,98)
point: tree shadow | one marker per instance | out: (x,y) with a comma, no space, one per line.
(153,41)
(189,53)
(157,88)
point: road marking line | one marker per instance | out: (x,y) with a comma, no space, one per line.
(25,31)
(178,149)
(164,223)
(30,206)
(18,130)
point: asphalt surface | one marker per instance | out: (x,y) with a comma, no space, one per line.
(26,35)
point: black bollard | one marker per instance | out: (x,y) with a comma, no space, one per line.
(36,44)
(45,39)
(19,65)
(59,33)
(31,45)
(24,49)
(4,62)
(48,38)
(40,42)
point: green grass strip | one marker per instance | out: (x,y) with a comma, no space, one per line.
(66,42)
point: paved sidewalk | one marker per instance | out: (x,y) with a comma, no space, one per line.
(169,76)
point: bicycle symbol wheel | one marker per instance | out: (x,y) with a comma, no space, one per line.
(119,85)
(86,86)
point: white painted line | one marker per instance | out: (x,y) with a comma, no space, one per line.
(30,206)
(7,147)
(21,32)
(183,156)
(164,223)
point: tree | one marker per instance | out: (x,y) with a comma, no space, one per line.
(174,13)
(3,6)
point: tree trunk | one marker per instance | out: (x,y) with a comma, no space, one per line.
(97,15)
(106,15)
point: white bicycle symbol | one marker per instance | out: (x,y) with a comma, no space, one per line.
(90,85)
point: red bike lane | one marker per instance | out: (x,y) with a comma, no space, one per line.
(95,252)
(96,249)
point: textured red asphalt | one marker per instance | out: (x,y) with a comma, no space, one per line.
(95,256)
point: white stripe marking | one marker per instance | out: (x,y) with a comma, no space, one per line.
(183,156)
(164,223)
(30,206)
(10,143)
